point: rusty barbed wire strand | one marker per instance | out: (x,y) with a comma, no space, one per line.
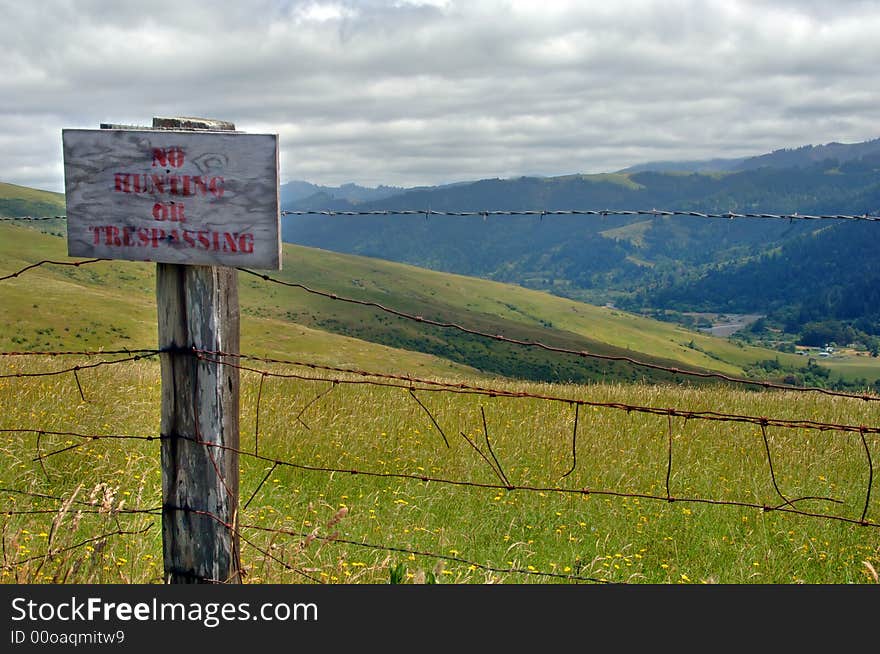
(85,438)
(409,383)
(83,353)
(434,555)
(540,213)
(75,369)
(86,504)
(585,491)
(562,350)
(656,213)
(87,541)
(504,485)
(429,385)
(46,262)
(504,339)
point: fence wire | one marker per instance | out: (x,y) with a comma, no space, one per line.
(541,213)
(411,388)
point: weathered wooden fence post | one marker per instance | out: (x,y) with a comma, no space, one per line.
(199,199)
(198,309)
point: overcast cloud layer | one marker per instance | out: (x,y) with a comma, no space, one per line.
(411,92)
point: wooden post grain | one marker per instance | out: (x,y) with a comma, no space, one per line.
(198,310)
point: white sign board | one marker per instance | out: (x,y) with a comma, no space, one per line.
(189,197)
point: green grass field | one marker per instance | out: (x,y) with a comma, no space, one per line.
(389,521)
(381,430)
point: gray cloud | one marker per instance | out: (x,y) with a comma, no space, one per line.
(431,92)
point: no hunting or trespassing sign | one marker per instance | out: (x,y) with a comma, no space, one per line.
(186,197)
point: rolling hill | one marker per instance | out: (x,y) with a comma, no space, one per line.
(18,201)
(111,305)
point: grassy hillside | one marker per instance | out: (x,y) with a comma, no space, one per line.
(46,311)
(112,305)
(23,201)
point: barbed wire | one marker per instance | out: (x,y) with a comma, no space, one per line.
(74,369)
(673,370)
(81,353)
(562,350)
(61,550)
(540,213)
(432,385)
(413,385)
(87,506)
(45,262)
(433,555)
(785,505)
(408,382)
(237,530)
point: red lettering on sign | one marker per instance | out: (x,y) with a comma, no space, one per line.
(122,182)
(246,243)
(201,184)
(231,245)
(185,185)
(111,235)
(156,235)
(173,211)
(166,157)
(216,186)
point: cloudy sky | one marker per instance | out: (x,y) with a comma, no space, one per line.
(410,92)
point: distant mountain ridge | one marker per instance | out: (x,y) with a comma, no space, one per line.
(634,262)
(806,155)
(300,192)
(809,155)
